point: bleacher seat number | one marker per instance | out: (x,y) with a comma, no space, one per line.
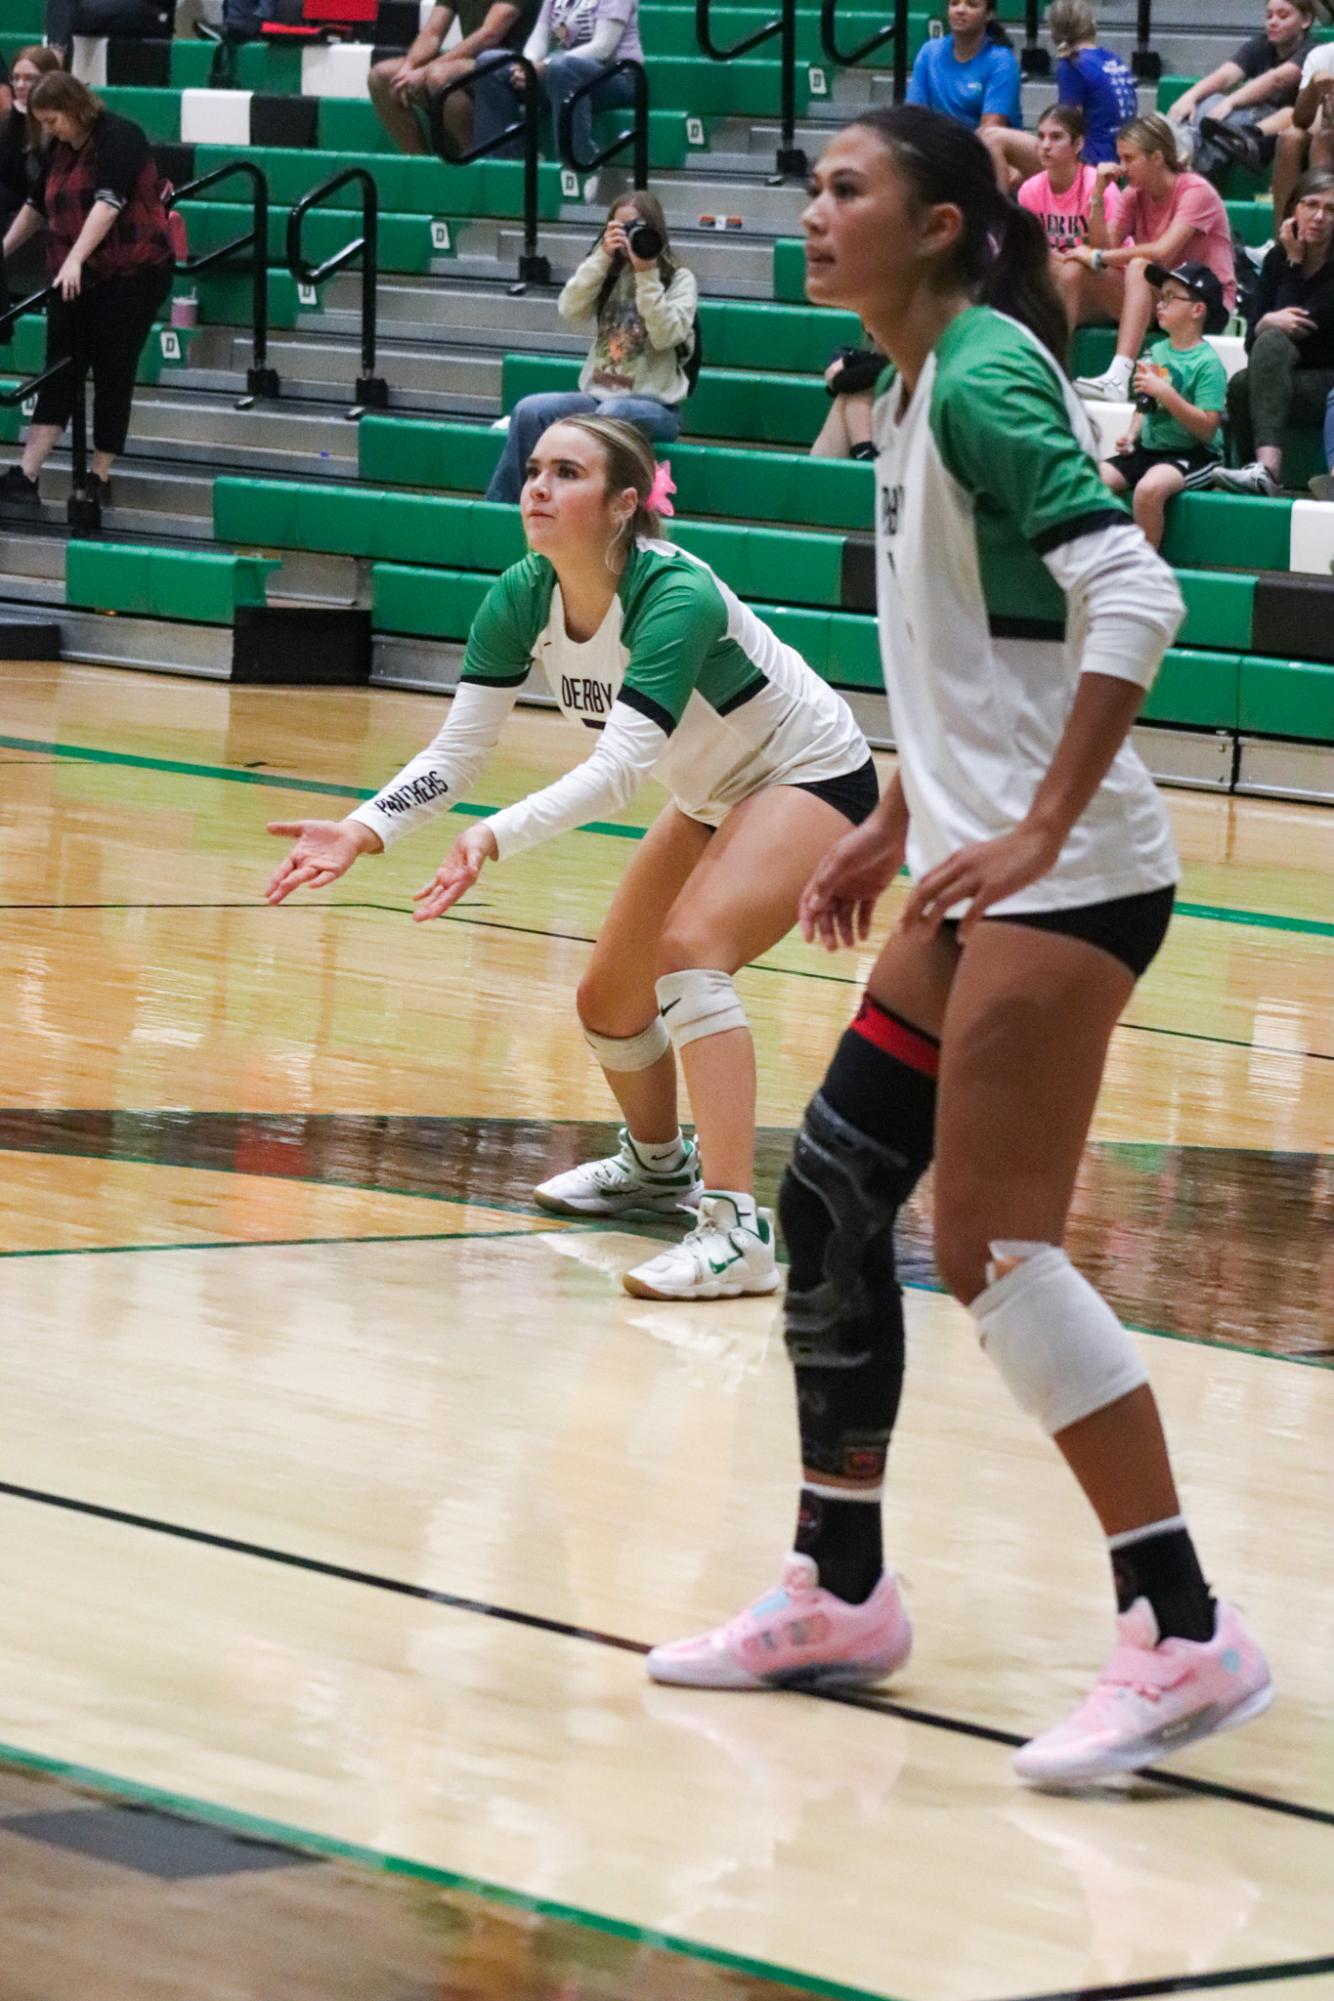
(694,131)
(440,237)
(569,184)
(171,344)
(819,82)
(307,295)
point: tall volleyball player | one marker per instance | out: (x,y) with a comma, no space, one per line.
(646,646)
(1022,617)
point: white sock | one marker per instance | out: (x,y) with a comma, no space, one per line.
(1122,368)
(661,1156)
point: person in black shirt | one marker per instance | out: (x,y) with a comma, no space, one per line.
(17,160)
(1291,370)
(1236,111)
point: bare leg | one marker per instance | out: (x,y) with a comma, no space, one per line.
(1136,309)
(1014,155)
(1152,494)
(1289,165)
(394,112)
(41,441)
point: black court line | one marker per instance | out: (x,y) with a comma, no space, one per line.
(452,1601)
(1191,1983)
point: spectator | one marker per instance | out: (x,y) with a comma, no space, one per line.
(1061,195)
(1180,389)
(17,158)
(1290,373)
(1169,217)
(1309,140)
(6,92)
(1089,79)
(971,74)
(109,254)
(589,36)
(642,311)
(851,379)
(400,84)
(1236,111)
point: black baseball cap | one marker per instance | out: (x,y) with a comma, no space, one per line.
(1201,283)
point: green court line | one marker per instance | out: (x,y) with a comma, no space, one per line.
(536,1229)
(1216,913)
(256,1827)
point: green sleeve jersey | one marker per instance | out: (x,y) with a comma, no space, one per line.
(513,612)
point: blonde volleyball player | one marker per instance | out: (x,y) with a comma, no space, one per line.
(645,646)
(1022,617)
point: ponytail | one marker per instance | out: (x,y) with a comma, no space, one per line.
(1018,278)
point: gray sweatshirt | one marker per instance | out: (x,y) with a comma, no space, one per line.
(643,323)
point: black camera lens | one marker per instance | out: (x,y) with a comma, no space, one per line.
(644,240)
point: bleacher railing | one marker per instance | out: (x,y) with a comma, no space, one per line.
(83,510)
(261,379)
(635,136)
(1145,62)
(895,31)
(534,269)
(1035,57)
(372,391)
(791,160)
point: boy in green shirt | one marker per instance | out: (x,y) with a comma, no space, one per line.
(1180,393)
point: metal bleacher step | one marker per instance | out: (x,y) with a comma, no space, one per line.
(728,262)
(324,366)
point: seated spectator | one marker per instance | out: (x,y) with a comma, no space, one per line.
(641,306)
(1322,486)
(17,156)
(109,253)
(572,41)
(1061,196)
(1237,111)
(1089,79)
(971,74)
(1308,142)
(1167,216)
(400,84)
(850,378)
(1290,372)
(1180,389)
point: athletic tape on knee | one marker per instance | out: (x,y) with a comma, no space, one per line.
(701,1001)
(1059,1347)
(630,1052)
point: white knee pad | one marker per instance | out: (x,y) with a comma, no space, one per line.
(699,1002)
(1061,1350)
(630,1052)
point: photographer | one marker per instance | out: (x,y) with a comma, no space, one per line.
(108,253)
(641,304)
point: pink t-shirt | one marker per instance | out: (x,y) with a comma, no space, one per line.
(1192,200)
(1066,217)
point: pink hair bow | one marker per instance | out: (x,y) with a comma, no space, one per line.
(657,501)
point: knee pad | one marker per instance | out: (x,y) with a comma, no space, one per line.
(701,1001)
(630,1052)
(1059,1347)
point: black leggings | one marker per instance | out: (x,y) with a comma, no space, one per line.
(103,329)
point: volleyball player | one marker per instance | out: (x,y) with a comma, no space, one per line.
(1022,617)
(646,646)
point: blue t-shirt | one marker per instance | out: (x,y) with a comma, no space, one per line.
(1104,89)
(985,86)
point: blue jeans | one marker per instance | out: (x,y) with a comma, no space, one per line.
(495,104)
(532,415)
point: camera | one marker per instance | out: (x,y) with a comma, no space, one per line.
(644,240)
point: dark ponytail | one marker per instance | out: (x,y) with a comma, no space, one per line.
(995,32)
(1001,256)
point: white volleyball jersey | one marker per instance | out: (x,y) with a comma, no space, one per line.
(992,526)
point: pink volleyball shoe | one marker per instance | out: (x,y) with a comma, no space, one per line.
(800,1636)
(1152,1698)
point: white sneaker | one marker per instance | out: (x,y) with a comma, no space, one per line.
(1113,387)
(729,1251)
(622,1185)
(1253,478)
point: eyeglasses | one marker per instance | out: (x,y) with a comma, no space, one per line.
(1313,204)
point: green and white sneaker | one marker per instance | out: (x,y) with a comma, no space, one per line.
(624,1184)
(730,1251)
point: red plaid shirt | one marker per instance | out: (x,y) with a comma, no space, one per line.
(74,180)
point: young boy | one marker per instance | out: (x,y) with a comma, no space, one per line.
(1180,392)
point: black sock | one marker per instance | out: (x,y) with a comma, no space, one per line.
(1164,1568)
(844,1539)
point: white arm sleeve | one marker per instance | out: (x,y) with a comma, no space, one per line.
(439,776)
(1123,600)
(605,40)
(627,751)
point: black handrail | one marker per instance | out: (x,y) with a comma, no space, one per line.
(1036,57)
(1146,63)
(791,160)
(533,268)
(372,389)
(635,135)
(895,31)
(261,380)
(83,509)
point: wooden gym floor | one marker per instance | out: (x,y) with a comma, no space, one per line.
(341,1491)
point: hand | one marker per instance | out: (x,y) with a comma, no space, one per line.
(456,874)
(1223,109)
(70,277)
(324,850)
(1106,174)
(519,81)
(837,903)
(1291,320)
(981,875)
(1151,381)
(409,80)
(1290,238)
(1079,253)
(1126,444)
(1179,112)
(615,242)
